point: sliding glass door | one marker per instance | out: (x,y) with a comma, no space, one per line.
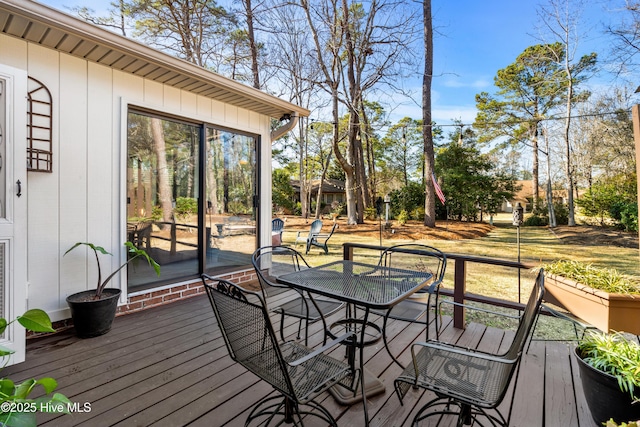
(231,195)
(165,213)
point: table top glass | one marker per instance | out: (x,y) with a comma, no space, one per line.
(367,285)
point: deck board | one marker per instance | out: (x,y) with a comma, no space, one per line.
(168,366)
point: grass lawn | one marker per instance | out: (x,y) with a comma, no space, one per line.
(537,245)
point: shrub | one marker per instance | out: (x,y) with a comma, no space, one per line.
(402,218)
(535,221)
(371,213)
(185,206)
(418,213)
(626,214)
(629,217)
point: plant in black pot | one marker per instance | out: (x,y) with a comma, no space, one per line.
(609,367)
(93,311)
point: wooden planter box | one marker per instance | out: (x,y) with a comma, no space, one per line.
(605,311)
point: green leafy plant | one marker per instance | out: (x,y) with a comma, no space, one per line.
(185,206)
(604,279)
(612,423)
(402,217)
(615,355)
(134,253)
(16,408)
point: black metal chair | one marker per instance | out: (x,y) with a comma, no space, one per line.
(272,261)
(468,383)
(277,227)
(415,257)
(297,372)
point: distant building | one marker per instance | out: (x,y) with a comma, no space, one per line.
(524,196)
(333,191)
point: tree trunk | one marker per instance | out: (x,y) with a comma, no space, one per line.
(164,187)
(535,169)
(304,205)
(252,44)
(567,127)
(430,200)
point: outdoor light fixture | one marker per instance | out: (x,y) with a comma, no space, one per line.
(387,202)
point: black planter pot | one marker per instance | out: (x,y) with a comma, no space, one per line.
(92,318)
(604,397)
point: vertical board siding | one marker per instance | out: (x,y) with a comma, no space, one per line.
(81,200)
(77,269)
(153,93)
(43,213)
(102,159)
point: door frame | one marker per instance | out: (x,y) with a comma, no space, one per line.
(13,227)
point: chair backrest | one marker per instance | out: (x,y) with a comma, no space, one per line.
(316,227)
(277,225)
(270,262)
(248,332)
(417,257)
(528,318)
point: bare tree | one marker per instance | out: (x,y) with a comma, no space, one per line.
(561,19)
(195,30)
(365,44)
(296,71)
(626,36)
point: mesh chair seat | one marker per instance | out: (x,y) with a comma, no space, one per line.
(297,308)
(472,381)
(407,310)
(466,377)
(296,371)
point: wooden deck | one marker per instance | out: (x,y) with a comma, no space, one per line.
(168,366)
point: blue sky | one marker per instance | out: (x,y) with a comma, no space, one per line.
(473,40)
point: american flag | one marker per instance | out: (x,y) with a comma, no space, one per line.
(439,192)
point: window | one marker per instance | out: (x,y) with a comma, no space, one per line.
(166,214)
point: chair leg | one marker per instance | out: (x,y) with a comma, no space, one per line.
(282,326)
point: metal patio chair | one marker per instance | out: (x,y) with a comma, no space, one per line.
(277,227)
(273,261)
(297,372)
(415,257)
(469,384)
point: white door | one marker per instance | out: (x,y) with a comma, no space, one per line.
(13,206)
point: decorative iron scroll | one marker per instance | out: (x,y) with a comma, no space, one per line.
(39,128)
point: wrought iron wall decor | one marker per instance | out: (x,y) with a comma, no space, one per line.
(39,128)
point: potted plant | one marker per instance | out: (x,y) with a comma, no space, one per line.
(93,311)
(16,407)
(609,370)
(602,297)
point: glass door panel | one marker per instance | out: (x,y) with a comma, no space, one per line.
(162,196)
(230,192)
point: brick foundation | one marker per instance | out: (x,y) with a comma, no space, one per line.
(165,296)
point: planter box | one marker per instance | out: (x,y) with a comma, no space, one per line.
(605,311)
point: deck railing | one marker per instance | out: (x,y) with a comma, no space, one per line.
(459,293)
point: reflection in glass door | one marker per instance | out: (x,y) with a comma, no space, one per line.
(165,214)
(162,196)
(230,193)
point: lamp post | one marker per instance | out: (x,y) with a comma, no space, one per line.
(518,214)
(387,202)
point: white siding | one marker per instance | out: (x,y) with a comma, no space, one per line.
(82,200)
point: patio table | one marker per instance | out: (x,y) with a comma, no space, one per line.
(364,286)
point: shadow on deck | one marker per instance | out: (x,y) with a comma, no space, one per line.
(168,366)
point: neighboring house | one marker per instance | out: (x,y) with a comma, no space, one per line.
(332,192)
(103,140)
(524,196)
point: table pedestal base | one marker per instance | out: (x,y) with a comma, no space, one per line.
(372,387)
